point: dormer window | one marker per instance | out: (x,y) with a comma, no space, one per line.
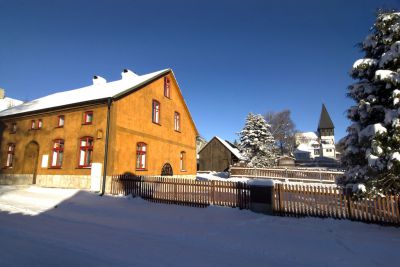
(61,120)
(167,87)
(33,125)
(88,117)
(40,124)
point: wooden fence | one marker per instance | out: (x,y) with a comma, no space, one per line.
(307,200)
(183,191)
(290,174)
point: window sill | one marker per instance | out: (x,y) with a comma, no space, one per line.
(141,170)
(58,127)
(84,167)
(177,131)
(157,123)
(7,167)
(87,123)
(54,167)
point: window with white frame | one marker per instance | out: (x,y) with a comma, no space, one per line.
(141,151)
(10,155)
(156,112)
(183,161)
(85,151)
(61,120)
(177,122)
(58,153)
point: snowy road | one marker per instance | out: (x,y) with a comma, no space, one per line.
(87,230)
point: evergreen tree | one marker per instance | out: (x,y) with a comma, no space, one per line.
(372,146)
(256,142)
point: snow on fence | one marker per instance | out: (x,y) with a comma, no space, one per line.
(291,174)
(183,191)
(307,200)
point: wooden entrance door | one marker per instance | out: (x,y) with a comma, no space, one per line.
(31,157)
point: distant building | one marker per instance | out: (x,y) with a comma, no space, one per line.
(218,155)
(7,102)
(317,145)
(326,135)
(286,161)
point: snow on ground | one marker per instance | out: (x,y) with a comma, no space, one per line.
(220,176)
(224,176)
(88,230)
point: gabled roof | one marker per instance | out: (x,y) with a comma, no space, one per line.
(89,93)
(325,121)
(230,147)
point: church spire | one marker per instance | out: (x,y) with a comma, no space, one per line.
(325,121)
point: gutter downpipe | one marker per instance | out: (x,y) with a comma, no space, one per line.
(103,187)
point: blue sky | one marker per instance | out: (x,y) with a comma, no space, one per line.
(230,57)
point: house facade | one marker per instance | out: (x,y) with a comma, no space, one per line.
(218,155)
(139,124)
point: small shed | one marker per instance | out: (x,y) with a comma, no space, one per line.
(218,155)
(286,161)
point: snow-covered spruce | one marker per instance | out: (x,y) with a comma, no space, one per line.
(256,142)
(372,146)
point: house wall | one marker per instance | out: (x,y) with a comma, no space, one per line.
(130,123)
(73,130)
(133,124)
(214,157)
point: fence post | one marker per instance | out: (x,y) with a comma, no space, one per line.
(348,199)
(280,198)
(212,192)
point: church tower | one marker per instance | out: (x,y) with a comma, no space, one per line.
(326,135)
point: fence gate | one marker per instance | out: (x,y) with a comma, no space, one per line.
(167,170)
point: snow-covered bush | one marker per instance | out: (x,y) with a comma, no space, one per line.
(372,145)
(256,142)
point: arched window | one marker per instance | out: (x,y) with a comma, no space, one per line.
(85,151)
(183,161)
(58,153)
(156,112)
(141,150)
(10,155)
(167,87)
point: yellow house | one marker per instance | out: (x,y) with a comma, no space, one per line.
(139,124)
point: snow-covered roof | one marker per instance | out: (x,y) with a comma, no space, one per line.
(97,91)
(303,148)
(308,135)
(234,150)
(8,102)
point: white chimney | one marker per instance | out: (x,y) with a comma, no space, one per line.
(98,80)
(128,74)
